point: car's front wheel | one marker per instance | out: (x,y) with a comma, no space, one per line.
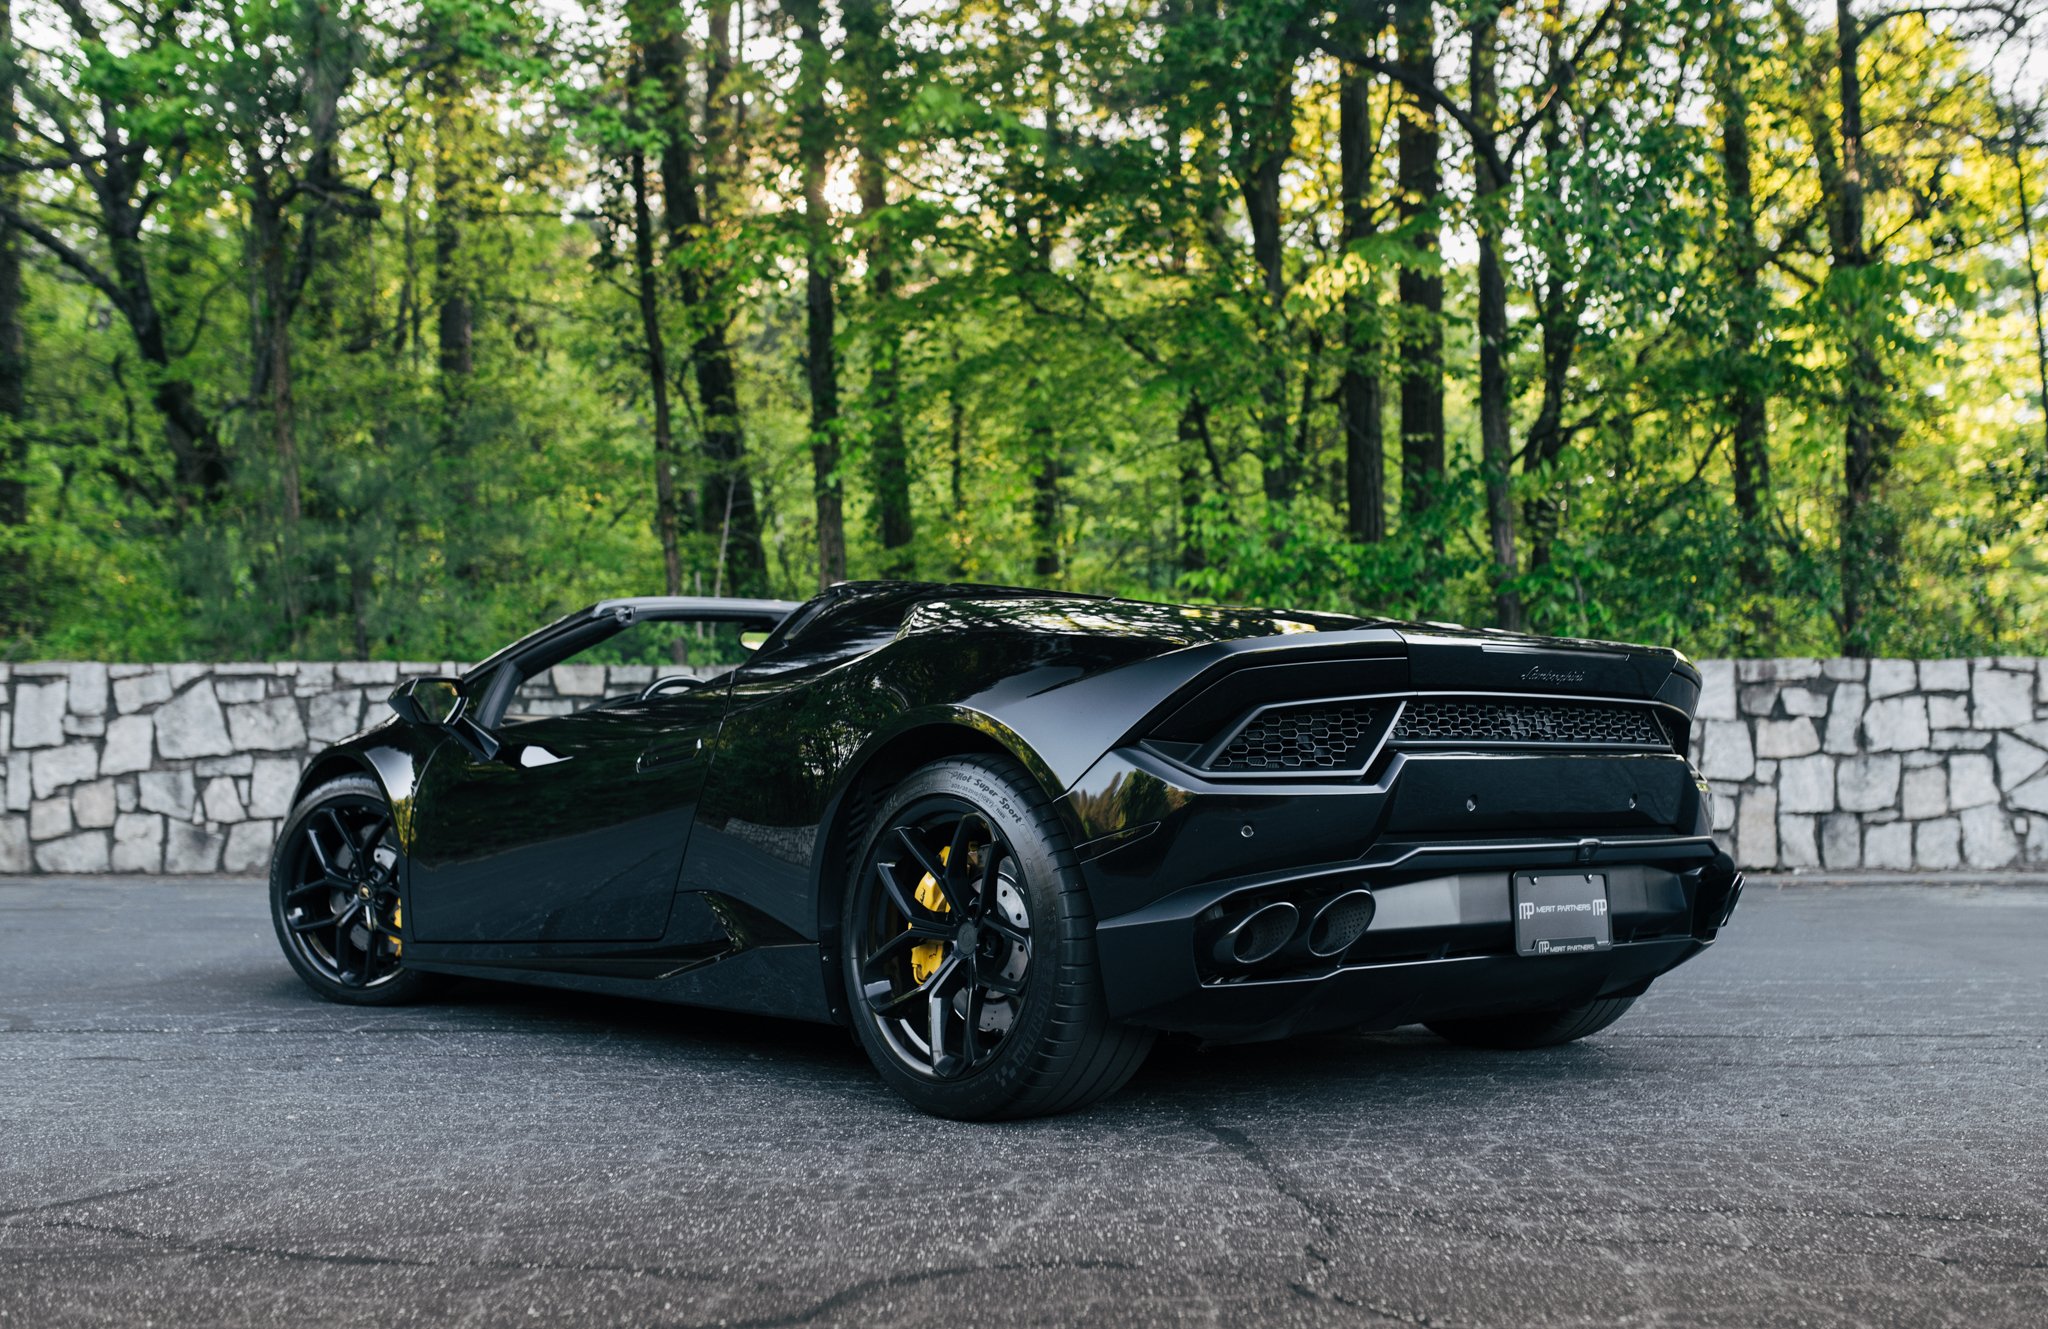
(334,896)
(1535,1029)
(969,951)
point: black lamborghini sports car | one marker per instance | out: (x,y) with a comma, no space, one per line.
(1010,836)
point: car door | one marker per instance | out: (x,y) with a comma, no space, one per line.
(574,831)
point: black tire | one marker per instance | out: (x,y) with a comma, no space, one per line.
(1536,1029)
(334,896)
(1025,961)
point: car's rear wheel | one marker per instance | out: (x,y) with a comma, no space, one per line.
(334,896)
(1534,1029)
(969,951)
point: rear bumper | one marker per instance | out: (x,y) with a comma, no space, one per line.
(1176,862)
(1382,996)
(1441,942)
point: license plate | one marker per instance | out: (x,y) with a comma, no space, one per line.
(1562,913)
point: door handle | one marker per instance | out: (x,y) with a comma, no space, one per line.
(669,754)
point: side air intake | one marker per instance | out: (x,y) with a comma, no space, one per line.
(1336,736)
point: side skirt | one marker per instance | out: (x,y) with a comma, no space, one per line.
(785,981)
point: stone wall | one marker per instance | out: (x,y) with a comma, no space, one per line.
(1845,764)
(187,767)
(1836,764)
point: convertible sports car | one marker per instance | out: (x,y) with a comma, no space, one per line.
(1010,836)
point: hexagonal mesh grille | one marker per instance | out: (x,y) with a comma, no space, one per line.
(1320,736)
(1551,723)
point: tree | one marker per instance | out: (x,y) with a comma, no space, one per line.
(1365,498)
(100,127)
(698,144)
(14,364)
(1496,455)
(872,61)
(1421,284)
(1747,404)
(821,362)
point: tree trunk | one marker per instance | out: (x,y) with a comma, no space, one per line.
(1869,539)
(1490,203)
(1034,229)
(1365,467)
(867,52)
(727,508)
(956,441)
(821,364)
(1421,291)
(1266,141)
(1193,433)
(454,298)
(2026,211)
(270,337)
(1045,500)
(14,597)
(665,522)
(1559,312)
(201,466)
(1747,405)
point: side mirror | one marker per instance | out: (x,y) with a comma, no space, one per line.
(752,641)
(435,703)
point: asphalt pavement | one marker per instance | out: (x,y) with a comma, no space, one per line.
(1837,1116)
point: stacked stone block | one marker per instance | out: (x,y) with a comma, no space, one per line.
(1929,765)
(187,767)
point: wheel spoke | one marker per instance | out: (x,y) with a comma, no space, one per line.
(934,868)
(882,997)
(961,850)
(970,1031)
(1005,929)
(887,951)
(937,1005)
(372,842)
(920,918)
(369,948)
(341,829)
(319,852)
(991,860)
(309,924)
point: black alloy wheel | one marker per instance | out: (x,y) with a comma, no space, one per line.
(948,944)
(969,951)
(335,895)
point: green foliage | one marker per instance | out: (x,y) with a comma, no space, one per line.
(1101,383)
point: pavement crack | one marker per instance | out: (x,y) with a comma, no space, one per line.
(1248,1150)
(1318,1263)
(352,1259)
(118,1193)
(1373,1309)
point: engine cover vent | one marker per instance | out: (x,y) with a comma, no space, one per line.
(1495,722)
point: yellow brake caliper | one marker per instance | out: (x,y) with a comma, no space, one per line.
(927,956)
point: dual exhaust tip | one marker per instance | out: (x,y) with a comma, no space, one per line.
(1265,931)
